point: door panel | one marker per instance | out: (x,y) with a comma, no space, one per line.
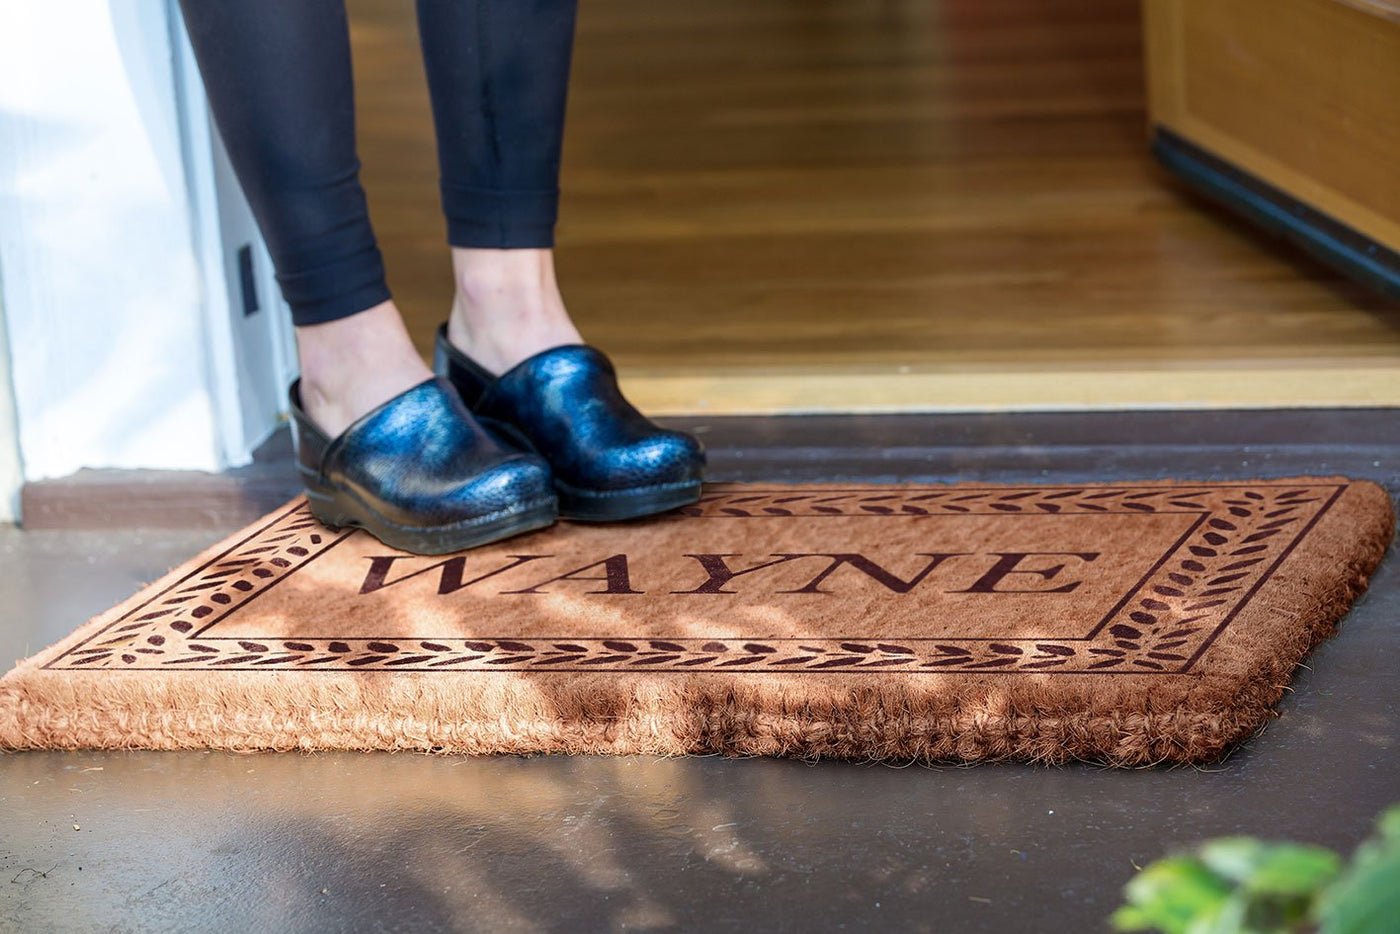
(1303,94)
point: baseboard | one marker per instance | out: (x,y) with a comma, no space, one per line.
(1343,248)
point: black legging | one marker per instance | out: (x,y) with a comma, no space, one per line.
(278,77)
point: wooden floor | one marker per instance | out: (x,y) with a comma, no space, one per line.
(865,205)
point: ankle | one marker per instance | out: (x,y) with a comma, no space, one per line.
(484,276)
(499,341)
(337,351)
(507,306)
(352,365)
(500,289)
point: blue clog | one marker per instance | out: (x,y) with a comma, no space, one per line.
(608,461)
(421,474)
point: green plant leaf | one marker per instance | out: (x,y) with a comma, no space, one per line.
(1235,858)
(1170,894)
(1130,918)
(1240,885)
(1229,918)
(1289,869)
(1366,898)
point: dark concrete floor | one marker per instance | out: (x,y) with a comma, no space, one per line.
(130,841)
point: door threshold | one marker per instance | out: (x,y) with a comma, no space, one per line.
(873,390)
(1061,447)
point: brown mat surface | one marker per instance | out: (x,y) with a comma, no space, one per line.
(1126,623)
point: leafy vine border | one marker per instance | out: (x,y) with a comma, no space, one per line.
(1243,533)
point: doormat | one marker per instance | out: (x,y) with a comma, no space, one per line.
(1128,624)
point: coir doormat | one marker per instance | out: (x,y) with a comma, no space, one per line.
(1128,623)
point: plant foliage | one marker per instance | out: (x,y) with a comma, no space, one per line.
(1240,885)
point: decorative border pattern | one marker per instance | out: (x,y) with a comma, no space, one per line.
(1241,534)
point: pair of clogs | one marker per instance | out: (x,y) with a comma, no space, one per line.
(466,457)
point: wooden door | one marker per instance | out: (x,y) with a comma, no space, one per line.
(1290,110)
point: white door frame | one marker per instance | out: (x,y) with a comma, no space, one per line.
(252,353)
(120,226)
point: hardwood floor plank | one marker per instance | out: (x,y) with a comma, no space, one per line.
(900,199)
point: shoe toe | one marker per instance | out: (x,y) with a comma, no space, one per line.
(659,458)
(519,483)
(675,454)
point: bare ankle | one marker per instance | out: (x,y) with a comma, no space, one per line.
(352,365)
(482,272)
(507,306)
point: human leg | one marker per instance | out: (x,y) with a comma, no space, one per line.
(380,442)
(498,73)
(278,77)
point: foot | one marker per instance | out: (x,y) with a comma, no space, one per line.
(421,474)
(355,364)
(507,306)
(608,461)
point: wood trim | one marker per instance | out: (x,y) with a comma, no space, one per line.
(855,390)
(1161,26)
(1302,187)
